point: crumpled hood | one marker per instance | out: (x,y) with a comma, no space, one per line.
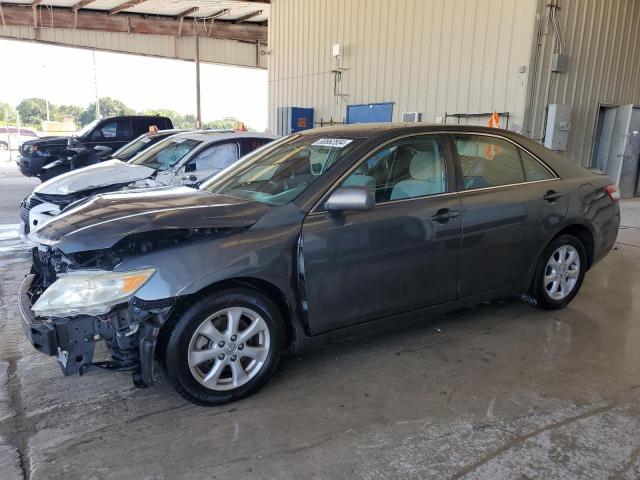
(103,220)
(110,172)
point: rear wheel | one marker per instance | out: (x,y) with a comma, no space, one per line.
(559,272)
(225,347)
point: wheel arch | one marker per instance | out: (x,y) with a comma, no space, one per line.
(582,233)
(265,287)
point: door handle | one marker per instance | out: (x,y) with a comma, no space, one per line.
(444,215)
(552,196)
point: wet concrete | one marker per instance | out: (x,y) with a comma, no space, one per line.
(502,390)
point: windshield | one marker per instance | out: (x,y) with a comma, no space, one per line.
(132,148)
(279,172)
(165,154)
(87,128)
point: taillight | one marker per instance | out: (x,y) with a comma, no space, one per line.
(613,192)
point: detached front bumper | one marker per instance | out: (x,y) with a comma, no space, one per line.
(71,341)
(129,333)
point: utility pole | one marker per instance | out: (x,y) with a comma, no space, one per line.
(198,109)
(6,123)
(95,84)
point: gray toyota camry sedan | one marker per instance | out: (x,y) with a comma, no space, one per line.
(322,232)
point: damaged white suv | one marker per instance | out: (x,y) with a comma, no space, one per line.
(182,159)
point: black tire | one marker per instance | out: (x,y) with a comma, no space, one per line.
(4,147)
(538,290)
(177,347)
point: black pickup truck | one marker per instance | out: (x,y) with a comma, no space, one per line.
(104,135)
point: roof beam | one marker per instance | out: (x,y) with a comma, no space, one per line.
(218,14)
(181,16)
(81,4)
(248,16)
(188,12)
(125,5)
(99,21)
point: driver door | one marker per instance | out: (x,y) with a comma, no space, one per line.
(402,255)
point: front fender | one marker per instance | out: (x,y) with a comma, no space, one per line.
(266,254)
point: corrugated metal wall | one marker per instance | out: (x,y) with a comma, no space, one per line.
(603,43)
(430,56)
(212,50)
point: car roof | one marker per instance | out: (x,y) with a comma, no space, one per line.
(370,129)
(217,135)
(167,132)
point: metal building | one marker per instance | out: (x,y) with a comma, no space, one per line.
(456,61)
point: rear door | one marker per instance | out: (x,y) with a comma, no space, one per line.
(511,204)
(402,255)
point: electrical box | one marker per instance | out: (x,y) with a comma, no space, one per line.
(558,126)
(293,119)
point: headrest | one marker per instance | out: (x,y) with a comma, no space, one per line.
(424,166)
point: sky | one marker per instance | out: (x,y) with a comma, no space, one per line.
(65,75)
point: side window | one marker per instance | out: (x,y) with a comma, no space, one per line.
(251,144)
(114,130)
(488,161)
(407,168)
(106,131)
(124,130)
(533,169)
(214,159)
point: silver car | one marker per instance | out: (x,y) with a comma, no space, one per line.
(182,159)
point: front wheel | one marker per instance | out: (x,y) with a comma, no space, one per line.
(225,347)
(4,147)
(559,272)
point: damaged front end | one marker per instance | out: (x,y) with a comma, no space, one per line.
(108,270)
(128,326)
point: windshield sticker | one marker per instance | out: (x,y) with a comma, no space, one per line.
(332,142)
(145,140)
(178,141)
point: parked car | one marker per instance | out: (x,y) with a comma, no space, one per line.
(184,159)
(143,142)
(77,155)
(326,231)
(113,133)
(15,137)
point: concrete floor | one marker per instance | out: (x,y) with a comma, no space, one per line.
(500,391)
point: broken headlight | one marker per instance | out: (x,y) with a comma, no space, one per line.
(93,292)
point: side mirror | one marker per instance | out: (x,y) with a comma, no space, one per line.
(350,198)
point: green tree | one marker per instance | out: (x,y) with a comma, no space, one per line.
(33,111)
(72,111)
(109,107)
(226,123)
(11,114)
(179,120)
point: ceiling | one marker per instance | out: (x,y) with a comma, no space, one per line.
(232,11)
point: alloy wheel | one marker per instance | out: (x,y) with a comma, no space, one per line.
(229,348)
(562,272)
